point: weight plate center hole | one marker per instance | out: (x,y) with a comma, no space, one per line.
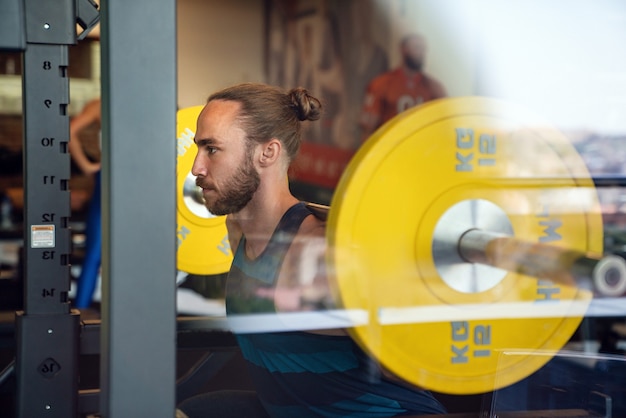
(461,219)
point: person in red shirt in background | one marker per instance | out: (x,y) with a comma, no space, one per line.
(397,90)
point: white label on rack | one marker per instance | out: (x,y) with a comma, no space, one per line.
(42,236)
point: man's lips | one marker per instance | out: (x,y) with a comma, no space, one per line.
(204,187)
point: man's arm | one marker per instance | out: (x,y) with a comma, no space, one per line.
(437,88)
(89,115)
(303,283)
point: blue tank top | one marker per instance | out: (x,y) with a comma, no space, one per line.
(300,374)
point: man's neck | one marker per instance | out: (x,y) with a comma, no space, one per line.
(259,218)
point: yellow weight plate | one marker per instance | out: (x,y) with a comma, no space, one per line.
(202,246)
(446,336)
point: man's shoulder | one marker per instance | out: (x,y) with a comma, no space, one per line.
(435,85)
(312,227)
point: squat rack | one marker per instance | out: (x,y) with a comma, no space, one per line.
(138,338)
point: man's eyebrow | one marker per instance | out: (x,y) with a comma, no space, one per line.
(203,142)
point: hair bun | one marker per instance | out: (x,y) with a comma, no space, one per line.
(306,106)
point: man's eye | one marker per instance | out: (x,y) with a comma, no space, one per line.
(211,150)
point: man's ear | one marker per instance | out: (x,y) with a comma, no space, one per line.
(270,152)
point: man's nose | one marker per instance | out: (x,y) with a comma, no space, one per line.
(199,167)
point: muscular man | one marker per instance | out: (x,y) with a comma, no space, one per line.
(397,90)
(247,135)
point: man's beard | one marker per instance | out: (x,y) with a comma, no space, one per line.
(237,191)
(414,64)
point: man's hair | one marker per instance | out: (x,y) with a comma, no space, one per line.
(270,112)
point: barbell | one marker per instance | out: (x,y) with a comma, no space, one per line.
(465,242)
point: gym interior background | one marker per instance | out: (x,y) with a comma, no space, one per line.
(563,60)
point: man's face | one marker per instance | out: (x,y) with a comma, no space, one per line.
(224,163)
(413,51)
